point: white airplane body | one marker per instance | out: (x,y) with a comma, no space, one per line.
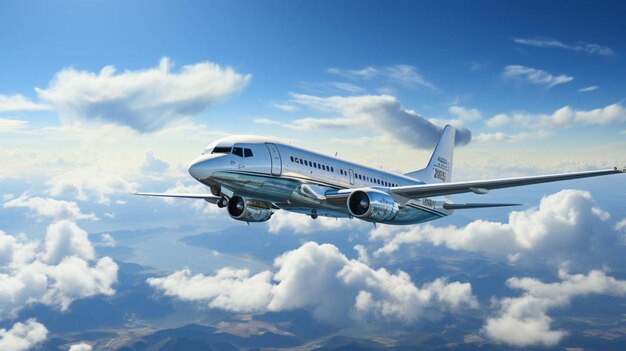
(253,177)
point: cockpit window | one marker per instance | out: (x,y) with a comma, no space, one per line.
(247,153)
(238,151)
(221,150)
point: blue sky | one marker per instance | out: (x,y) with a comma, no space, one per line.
(101,99)
(283,43)
(460,49)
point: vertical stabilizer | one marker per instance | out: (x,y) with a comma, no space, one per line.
(439,169)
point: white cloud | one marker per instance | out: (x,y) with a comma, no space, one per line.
(20,103)
(229,289)
(565,226)
(152,164)
(89,182)
(350,88)
(267,122)
(23,336)
(56,273)
(321,278)
(383,112)
(107,240)
(10,125)
(65,238)
(465,114)
(405,75)
(363,255)
(523,321)
(499,120)
(285,107)
(302,224)
(589,88)
(589,48)
(47,208)
(510,138)
(561,118)
(145,100)
(83,346)
(331,87)
(534,75)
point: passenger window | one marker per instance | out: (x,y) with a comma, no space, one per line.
(296,160)
(291,158)
(332,169)
(247,152)
(238,151)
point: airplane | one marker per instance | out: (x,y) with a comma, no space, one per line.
(253,177)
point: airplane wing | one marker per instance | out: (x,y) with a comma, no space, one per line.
(207,197)
(483,186)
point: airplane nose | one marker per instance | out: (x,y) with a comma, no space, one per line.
(196,169)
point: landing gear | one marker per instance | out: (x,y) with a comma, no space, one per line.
(216,190)
(314,214)
(223,202)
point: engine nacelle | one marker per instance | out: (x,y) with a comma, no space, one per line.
(373,205)
(249,210)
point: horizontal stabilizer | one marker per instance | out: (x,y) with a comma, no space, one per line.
(467,206)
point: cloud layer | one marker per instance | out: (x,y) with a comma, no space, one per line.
(145,100)
(534,76)
(565,226)
(20,103)
(405,75)
(523,321)
(321,278)
(47,208)
(382,113)
(589,48)
(562,118)
(54,273)
(23,336)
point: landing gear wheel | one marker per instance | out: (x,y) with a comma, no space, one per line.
(223,202)
(314,214)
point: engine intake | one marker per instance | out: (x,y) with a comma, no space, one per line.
(373,205)
(249,210)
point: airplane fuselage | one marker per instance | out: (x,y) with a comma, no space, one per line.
(299,180)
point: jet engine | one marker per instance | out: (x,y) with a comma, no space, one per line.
(372,205)
(249,210)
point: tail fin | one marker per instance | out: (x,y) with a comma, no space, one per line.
(439,169)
